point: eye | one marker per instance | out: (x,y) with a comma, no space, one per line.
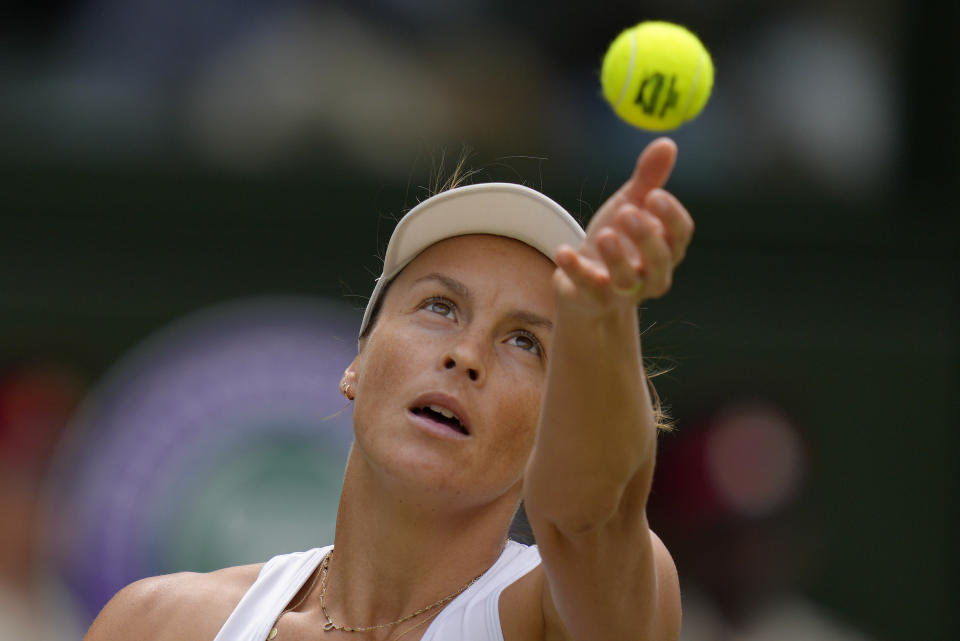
(526,341)
(440,305)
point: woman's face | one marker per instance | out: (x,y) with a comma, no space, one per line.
(464,329)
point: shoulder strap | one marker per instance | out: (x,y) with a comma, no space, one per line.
(475,614)
(279,580)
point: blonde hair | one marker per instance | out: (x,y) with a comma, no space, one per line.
(441,180)
(661,413)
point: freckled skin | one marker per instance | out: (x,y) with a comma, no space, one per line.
(409,351)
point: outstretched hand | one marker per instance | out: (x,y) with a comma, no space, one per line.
(634,241)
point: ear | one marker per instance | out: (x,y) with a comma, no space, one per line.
(348,384)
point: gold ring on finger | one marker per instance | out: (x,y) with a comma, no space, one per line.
(629,292)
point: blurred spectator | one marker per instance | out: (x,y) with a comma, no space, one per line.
(36,401)
(727,502)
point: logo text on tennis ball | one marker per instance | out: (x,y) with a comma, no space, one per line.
(651,88)
(656,75)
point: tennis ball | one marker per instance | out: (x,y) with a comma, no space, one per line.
(657,75)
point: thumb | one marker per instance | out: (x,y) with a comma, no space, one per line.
(653,168)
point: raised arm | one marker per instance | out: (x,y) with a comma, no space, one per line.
(586,486)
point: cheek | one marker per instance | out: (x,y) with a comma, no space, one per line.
(386,358)
(519,415)
(384,363)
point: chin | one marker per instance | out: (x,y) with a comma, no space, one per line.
(430,476)
(427,470)
(414,466)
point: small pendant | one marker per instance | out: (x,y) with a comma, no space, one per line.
(273,634)
(329,625)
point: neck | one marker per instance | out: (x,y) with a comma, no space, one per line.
(395,554)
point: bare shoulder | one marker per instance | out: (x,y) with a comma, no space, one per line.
(186,605)
(521,607)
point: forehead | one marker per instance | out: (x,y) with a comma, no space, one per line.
(482,252)
(480,260)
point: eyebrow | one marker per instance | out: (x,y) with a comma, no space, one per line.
(536,320)
(461,290)
(452,284)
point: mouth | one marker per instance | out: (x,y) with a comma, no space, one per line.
(440,413)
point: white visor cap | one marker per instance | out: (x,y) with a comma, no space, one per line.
(500,209)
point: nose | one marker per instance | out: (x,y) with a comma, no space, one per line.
(467,355)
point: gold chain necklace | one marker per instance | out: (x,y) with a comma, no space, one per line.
(417,625)
(330,625)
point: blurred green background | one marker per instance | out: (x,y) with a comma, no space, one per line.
(159,157)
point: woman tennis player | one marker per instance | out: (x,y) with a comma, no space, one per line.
(499,361)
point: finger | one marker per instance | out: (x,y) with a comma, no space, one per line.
(614,247)
(636,224)
(657,257)
(582,273)
(648,235)
(653,168)
(677,221)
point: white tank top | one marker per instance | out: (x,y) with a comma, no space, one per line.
(473,616)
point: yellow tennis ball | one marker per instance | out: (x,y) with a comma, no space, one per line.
(657,75)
